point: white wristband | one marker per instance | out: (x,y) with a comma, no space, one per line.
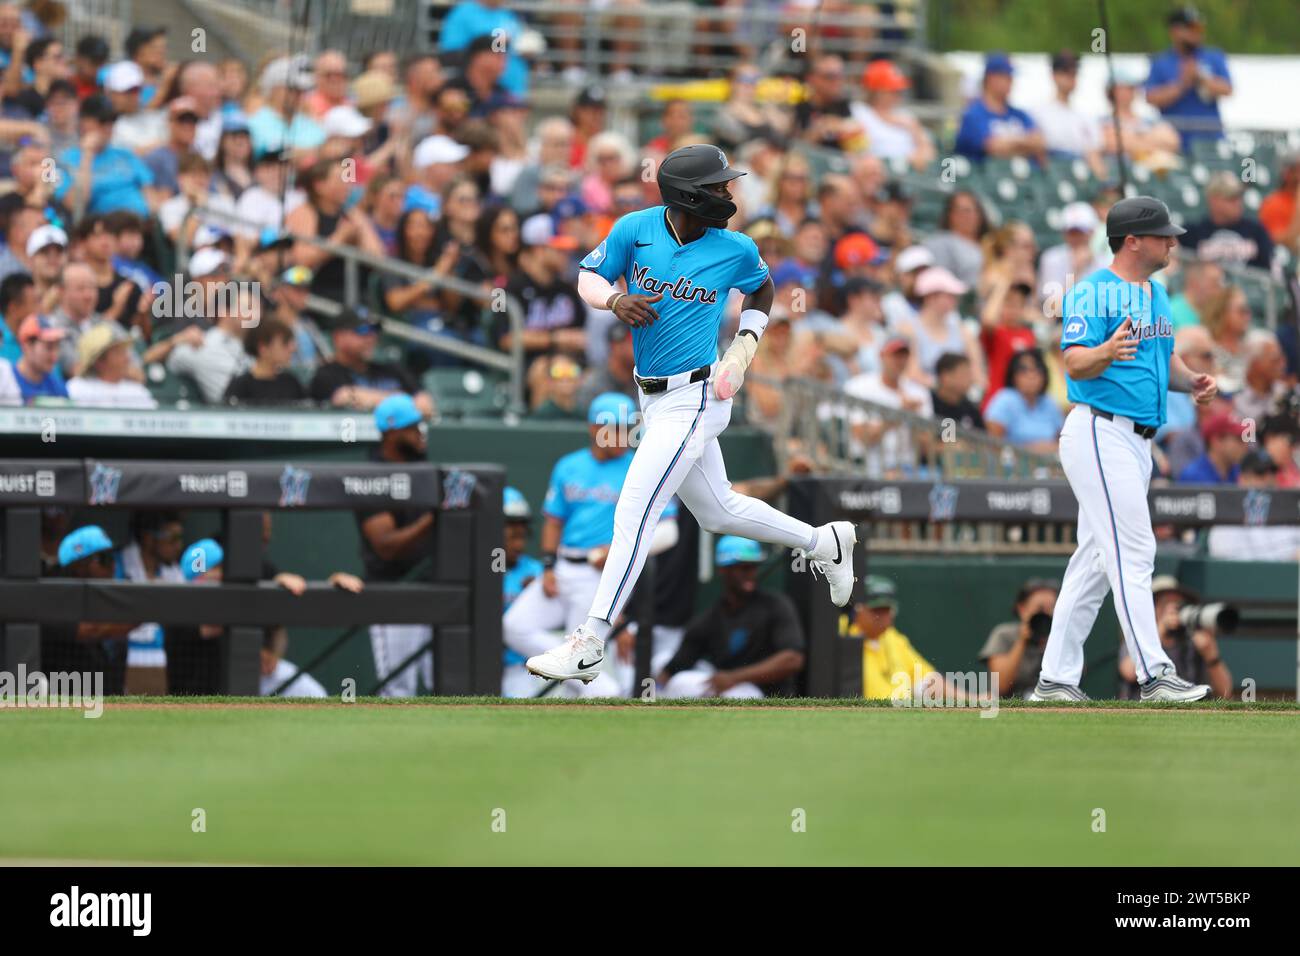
(752,320)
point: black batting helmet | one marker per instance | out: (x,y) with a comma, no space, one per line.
(682,174)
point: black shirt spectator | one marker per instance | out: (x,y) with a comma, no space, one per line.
(282,389)
(271,345)
(382,376)
(1227,235)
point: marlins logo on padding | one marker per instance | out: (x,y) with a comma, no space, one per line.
(104,482)
(457,489)
(293,486)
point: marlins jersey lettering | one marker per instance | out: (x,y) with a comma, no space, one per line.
(1093,309)
(694,280)
(584,494)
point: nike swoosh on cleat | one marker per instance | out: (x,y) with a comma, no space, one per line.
(838,552)
(583,665)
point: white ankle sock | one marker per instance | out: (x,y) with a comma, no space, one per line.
(599,628)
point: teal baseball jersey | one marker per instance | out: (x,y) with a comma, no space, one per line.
(694,280)
(1093,309)
(584,493)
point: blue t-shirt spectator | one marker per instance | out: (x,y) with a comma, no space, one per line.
(164,164)
(1193,117)
(51,386)
(979,122)
(118,178)
(469,20)
(1202,472)
(1025,423)
(270,132)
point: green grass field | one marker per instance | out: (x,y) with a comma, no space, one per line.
(416,783)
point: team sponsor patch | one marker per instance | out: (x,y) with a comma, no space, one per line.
(595,257)
(1076,327)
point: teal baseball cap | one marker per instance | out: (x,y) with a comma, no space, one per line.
(200,557)
(515,505)
(611,408)
(82,543)
(731,549)
(396,411)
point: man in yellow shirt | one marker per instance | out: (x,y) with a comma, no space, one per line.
(889,661)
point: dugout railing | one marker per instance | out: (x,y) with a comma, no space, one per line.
(459,596)
(834,666)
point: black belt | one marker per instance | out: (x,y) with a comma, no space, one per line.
(1146,431)
(652,385)
(573,558)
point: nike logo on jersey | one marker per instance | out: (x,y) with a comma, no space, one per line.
(684,290)
(642,245)
(583,665)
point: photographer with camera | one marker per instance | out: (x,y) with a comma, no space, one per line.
(1014,650)
(1189,634)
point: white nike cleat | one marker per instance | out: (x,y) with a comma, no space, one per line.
(833,557)
(578,658)
(1169,686)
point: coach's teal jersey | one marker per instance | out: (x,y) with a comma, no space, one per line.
(694,280)
(1093,309)
(584,493)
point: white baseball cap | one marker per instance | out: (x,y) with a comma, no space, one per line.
(122,76)
(1079,216)
(938,279)
(287,71)
(913,257)
(46,235)
(345,121)
(435,150)
(208,261)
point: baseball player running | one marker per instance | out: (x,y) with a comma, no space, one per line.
(1120,364)
(679,263)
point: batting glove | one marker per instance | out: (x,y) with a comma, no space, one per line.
(731,370)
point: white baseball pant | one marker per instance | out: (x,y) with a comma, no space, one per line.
(679,454)
(695,683)
(394,643)
(1109,469)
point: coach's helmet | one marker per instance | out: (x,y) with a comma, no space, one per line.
(1140,216)
(685,171)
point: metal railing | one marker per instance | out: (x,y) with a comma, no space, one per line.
(354,260)
(110,19)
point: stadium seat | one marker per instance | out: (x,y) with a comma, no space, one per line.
(466,393)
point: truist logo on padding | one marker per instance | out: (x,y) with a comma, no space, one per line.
(684,290)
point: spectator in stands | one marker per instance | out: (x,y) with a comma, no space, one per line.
(471,20)
(791,200)
(545,181)
(199,80)
(265,204)
(90,646)
(118,299)
(480,76)
(267,381)
(417,302)
(91,57)
(496,237)
(393,542)
(1280,211)
(676,121)
(21,222)
(554,315)
(1005,327)
(887,446)
(742,118)
(135,128)
(1202,280)
(146,47)
(100,178)
(748,644)
(18,301)
(232,170)
(1195,654)
(31,183)
(1262,387)
(552,384)
(1022,412)
(128,232)
(855,345)
(1009,251)
(232,78)
(457,228)
(956,244)
(47,251)
(36,372)
(354,379)
(1180,434)
(1144,137)
(105,369)
(615,373)
(411,114)
(1061,266)
(75,312)
(949,399)
(290,304)
(824,116)
(60,121)
(892,132)
(164,160)
(938,327)
(991,126)
(1068,133)
(280,124)
(901,304)
(891,222)
(1013,652)
(385,196)
(326,215)
(331,86)
(1227,317)
(153,554)
(450,110)
(610,159)
(1280,436)
(1227,236)
(44,58)
(1188,79)
(1224,449)
(221,355)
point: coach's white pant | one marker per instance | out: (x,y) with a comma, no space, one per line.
(1109,469)
(679,454)
(695,683)
(304,686)
(529,626)
(394,643)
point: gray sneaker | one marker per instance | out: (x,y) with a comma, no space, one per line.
(1169,686)
(1051,690)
